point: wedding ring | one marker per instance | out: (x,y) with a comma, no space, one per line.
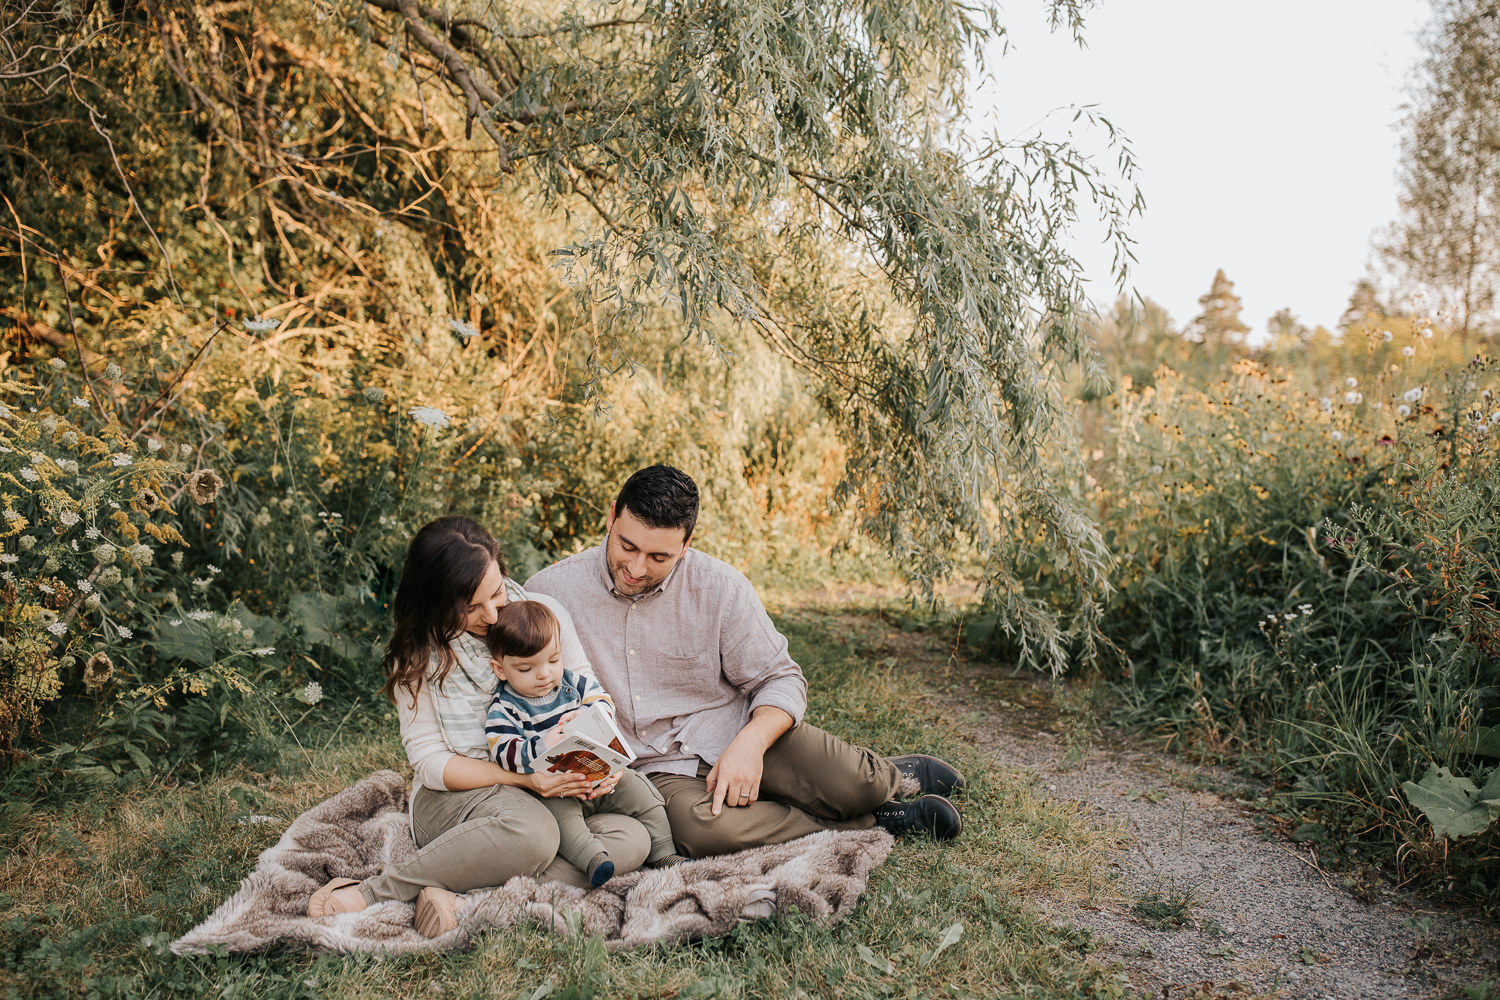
(744,795)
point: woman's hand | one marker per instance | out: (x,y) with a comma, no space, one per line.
(605,785)
(562,785)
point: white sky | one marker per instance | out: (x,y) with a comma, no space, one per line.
(1264,132)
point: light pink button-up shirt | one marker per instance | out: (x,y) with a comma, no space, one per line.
(686,662)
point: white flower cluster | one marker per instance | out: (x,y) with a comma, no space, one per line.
(1412,395)
(259,325)
(464,330)
(429,416)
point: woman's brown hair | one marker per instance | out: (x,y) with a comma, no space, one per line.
(445,564)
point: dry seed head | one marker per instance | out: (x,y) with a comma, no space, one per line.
(204,486)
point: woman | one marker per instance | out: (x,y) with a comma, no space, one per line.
(475,824)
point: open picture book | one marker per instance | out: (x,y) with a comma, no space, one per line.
(591,746)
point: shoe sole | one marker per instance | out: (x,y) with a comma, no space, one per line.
(435,912)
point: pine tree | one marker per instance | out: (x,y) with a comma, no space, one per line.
(1219,324)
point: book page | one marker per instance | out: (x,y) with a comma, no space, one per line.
(581,755)
(594,723)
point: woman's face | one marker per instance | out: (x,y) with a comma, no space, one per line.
(486,602)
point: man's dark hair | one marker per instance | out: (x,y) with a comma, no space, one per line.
(661,497)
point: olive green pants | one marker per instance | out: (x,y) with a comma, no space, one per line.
(811,781)
(634,796)
(483,837)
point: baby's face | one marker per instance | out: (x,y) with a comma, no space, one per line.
(532,676)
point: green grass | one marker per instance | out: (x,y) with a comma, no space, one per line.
(96,881)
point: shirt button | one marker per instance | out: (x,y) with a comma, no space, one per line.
(632,652)
(637,697)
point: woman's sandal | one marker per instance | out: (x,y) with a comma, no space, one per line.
(322,903)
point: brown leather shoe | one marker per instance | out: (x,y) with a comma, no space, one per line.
(436,912)
(322,903)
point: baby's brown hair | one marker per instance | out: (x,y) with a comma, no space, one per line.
(522,628)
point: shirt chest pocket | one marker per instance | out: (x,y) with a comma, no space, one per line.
(684,683)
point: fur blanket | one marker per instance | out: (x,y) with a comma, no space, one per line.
(363,830)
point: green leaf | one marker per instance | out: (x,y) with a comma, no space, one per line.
(949,939)
(877,962)
(1454,805)
(138,758)
(541,991)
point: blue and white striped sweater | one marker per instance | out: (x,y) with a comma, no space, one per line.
(515,723)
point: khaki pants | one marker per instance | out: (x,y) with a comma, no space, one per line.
(812,781)
(634,796)
(483,837)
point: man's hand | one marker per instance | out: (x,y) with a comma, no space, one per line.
(735,779)
(559,785)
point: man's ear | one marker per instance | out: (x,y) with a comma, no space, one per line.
(609,518)
(686,542)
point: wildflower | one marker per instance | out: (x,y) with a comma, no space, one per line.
(1351,381)
(97,671)
(104,553)
(1482,430)
(109,577)
(46,616)
(91,532)
(50,566)
(1325,404)
(213,569)
(1337,435)
(112,372)
(464,330)
(58,363)
(120,459)
(1290,616)
(45,588)
(203,486)
(1386,335)
(1495,417)
(147,500)
(186,449)
(374,394)
(201,583)
(259,325)
(8,576)
(68,465)
(29,474)
(1427,333)
(1306,609)
(70,439)
(200,615)
(9,557)
(57,628)
(177,560)
(140,554)
(175,622)
(246,634)
(4,413)
(85,586)
(80,402)
(1412,395)
(429,416)
(264,651)
(312,694)
(1408,351)
(1403,411)
(1353,398)
(153,444)
(68,518)
(26,542)
(125,633)
(91,603)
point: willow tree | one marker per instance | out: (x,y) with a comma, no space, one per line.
(799,171)
(1447,238)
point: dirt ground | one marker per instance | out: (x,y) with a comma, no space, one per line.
(1208,903)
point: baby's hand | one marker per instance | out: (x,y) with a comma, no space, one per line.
(553,737)
(568,717)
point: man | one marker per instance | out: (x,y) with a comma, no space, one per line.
(708,696)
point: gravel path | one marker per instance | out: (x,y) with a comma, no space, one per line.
(1264,920)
